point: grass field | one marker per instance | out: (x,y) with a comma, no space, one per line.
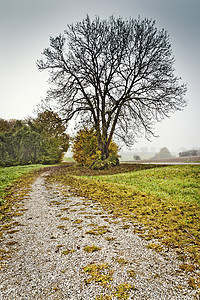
(177,183)
(9,174)
(68,159)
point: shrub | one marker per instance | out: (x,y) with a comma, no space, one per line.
(86,152)
(163,153)
(108,163)
(189,153)
(85,147)
(41,140)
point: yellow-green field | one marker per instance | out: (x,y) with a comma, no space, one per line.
(177,183)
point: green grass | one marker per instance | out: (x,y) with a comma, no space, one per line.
(9,174)
(180,183)
(68,159)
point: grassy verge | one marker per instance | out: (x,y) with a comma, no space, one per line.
(9,174)
(155,199)
(15,183)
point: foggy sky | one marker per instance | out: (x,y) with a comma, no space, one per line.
(25,28)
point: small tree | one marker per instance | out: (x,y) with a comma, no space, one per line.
(136,157)
(163,153)
(86,152)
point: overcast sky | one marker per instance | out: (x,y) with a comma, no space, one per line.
(25,28)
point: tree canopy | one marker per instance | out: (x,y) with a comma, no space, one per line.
(163,153)
(39,140)
(116,75)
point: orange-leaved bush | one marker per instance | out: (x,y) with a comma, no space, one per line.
(86,150)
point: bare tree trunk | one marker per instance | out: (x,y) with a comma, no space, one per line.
(103,144)
(104,151)
(103,147)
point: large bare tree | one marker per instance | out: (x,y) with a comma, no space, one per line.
(116,74)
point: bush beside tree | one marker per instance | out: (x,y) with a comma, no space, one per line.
(87,153)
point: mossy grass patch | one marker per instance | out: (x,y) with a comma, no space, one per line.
(91,249)
(68,251)
(100,273)
(98,230)
(179,183)
(123,290)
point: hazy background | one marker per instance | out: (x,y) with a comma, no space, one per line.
(25,28)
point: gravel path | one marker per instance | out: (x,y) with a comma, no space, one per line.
(48,259)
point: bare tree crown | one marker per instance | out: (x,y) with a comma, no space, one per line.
(116,74)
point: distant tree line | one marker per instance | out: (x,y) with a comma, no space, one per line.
(190,153)
(40,140)
(164,153)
